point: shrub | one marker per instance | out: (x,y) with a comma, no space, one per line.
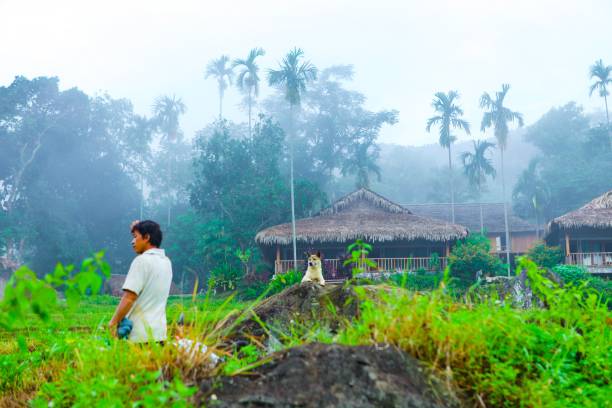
(545,256)
(284,280)
(471,255)
(418,282)
(577,275)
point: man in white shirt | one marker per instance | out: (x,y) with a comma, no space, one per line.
(146,287)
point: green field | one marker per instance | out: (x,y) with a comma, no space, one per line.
(490,353)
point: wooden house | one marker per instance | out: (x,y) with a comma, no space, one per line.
(586,235)
(490,218)
(401,240)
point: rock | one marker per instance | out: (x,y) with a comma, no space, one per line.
(307,303)
(515,289)
(322,375)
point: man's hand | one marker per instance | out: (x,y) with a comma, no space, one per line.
(127,301)
(112,329)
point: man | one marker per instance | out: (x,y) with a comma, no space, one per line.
(146,287)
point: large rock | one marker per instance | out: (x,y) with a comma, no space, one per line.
(321,375)
(306,303)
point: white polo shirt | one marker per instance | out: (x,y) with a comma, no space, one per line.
(150,276)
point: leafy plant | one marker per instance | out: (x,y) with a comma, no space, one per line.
(281,281)
(545,256)
(472,255)
(434,262)
(358,257)
(26,293)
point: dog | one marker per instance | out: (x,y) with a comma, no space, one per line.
(314,272)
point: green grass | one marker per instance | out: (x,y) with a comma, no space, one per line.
(560,355)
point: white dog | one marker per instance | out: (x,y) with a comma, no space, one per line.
(314,273)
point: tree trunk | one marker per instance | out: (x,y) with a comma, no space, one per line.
(220,103)
(291,141)
(608,120)
(452,187)
(481,218)
(508,244)
(169,192)
(141,196)
(250,105)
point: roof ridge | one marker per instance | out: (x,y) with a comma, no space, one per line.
(366,195)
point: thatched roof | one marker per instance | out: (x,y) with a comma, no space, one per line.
(366,215)
(595,214)
(469,216)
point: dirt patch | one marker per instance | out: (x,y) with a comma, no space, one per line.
(329,305)
(321,375)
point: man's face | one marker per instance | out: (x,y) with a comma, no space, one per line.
(139,243)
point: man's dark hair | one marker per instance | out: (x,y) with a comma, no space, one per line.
(150,228)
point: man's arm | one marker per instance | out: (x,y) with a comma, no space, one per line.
(127,301)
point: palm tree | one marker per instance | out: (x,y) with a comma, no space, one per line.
(498,116)
(248,80)
(448,115)
(477,167)
(603,75)
(166,113)
(219,69)
(532,191)
(292,77)
(362,162)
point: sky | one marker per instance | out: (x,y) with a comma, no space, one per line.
(403,52)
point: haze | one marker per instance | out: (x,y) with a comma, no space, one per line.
(402,51)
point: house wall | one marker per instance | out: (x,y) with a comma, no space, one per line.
(523,241)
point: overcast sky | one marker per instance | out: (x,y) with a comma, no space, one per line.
(403,51)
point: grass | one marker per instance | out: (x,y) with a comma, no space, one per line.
(490,354)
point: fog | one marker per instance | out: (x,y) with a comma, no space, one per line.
(403,51)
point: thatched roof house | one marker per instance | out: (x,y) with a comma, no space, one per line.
(585,230)
(393,230)
(366,215)
(523,234)
(468,215)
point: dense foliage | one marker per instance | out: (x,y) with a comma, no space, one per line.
(471,256)
(545,256)
(573,165)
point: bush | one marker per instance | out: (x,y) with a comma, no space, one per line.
(284,280)
(577,275)
(545,256)
(418,282)
(471,255)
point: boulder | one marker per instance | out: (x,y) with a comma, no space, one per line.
(330,375)
(307,303)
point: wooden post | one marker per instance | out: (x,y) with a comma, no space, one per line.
(567,245)
(447,249)
(278,260)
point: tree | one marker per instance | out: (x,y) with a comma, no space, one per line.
(248,78)
(477,167)
(498,116)
(223,73)
(448,115)
(166,113)
(333,130)
(292,77)
(530,194)
(603,77)
(572,168)
(69,159)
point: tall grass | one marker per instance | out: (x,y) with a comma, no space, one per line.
(560,355)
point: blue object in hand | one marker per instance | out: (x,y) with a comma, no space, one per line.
(124,328)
